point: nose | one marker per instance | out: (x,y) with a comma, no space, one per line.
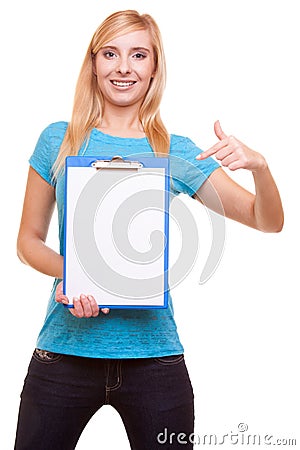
(124,65)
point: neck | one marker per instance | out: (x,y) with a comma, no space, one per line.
(122,122)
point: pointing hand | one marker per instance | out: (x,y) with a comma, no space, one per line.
(232,153)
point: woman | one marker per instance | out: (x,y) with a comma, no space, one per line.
(131,359)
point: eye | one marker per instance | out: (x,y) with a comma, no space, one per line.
(139,55)
(109,54)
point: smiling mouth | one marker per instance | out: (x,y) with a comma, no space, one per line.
(123,83)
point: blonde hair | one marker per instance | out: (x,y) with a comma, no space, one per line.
(88,101)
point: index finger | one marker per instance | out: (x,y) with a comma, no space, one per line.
(212,150)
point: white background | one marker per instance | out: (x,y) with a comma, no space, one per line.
(236,61)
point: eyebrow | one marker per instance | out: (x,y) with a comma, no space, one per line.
(112,47)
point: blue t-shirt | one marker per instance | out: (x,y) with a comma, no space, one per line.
(123,333)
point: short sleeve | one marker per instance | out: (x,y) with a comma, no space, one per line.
(46,150)
(40,159)
(188,173)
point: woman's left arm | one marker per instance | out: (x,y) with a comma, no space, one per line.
(262,210)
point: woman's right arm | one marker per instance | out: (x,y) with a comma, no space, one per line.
(38,208)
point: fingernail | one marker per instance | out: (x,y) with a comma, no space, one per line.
(90,298)
(105,310)
(82,297)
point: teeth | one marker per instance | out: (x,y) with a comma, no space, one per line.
(123,83)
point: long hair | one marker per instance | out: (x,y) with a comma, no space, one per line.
(89,103)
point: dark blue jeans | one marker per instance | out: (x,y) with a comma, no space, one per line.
(61,393)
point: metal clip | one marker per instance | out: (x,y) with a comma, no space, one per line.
(117,162)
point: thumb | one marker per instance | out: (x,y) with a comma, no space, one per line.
(59,288)
(218,130)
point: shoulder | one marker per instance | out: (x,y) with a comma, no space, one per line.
(182,144)
(51,138)
(47,146)
(56,130)
(58,126)
(176,139)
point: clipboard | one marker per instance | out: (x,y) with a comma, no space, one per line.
(116,230)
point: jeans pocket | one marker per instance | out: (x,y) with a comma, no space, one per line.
(45,357)
(169,360)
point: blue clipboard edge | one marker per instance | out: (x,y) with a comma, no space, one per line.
(151,162)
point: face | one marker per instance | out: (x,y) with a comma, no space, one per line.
(124,68)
